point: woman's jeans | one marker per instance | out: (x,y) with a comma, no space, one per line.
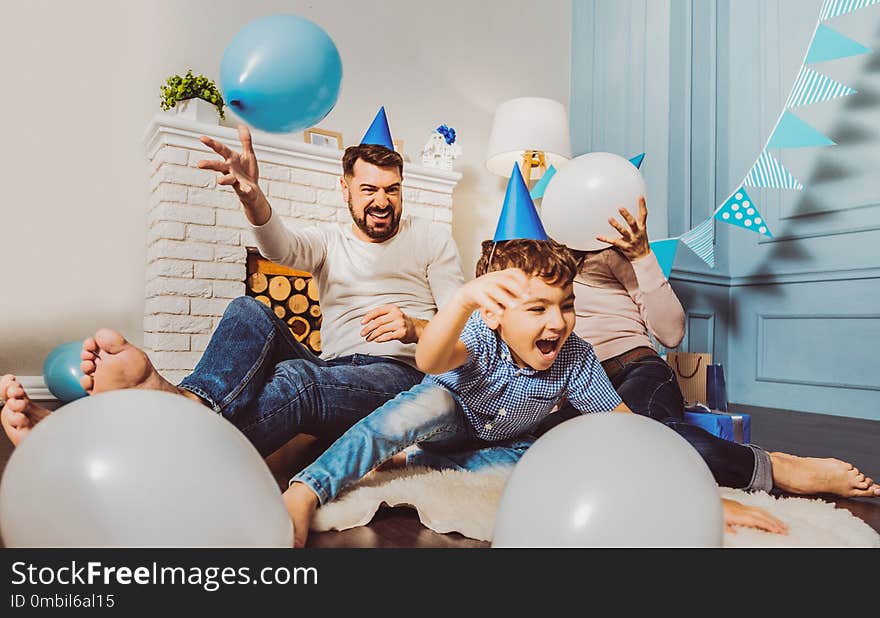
(648,386)
(258,376)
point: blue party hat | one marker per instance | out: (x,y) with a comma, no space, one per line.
(518,219)
(379,133)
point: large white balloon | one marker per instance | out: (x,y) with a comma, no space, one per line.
(610,480)
(584,193)
(138,468)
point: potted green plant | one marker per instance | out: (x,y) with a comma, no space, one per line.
(192,96)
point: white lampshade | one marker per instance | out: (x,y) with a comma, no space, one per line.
(528,123)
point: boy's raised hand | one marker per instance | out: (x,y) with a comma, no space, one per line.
(633,242)
(495,291)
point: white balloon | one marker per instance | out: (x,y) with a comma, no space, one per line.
(139,468)
(610,480)
(584,193)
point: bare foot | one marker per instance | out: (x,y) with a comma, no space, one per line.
(19,414)
(812,475)
(109,363)
(738,514)
(301,503)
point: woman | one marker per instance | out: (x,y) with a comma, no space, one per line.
(621,295)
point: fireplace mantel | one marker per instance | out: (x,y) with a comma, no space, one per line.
(198,236)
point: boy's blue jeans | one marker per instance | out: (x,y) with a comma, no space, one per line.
(271,387)
(426,415)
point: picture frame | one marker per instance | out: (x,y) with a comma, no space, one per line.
(323,137)
(398,148)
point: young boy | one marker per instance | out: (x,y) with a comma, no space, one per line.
(499,356)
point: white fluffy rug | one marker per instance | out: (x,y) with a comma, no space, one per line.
(452,501)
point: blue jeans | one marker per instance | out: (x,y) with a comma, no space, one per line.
(426,415)
(260,378)
(648,386)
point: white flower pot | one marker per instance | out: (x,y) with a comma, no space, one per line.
(198,110)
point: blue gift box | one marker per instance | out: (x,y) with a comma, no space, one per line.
(728,425)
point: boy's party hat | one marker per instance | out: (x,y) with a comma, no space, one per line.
(518,219)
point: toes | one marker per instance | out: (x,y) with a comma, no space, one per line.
(16,391)
(110,340)
(5,381)
(87,383)
(87,355)
(861,493)
(90,345)
(88,367)
(17,420)
(17,404)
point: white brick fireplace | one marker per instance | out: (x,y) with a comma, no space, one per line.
(198,236)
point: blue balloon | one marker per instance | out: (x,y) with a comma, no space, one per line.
(281,73)
(61,372)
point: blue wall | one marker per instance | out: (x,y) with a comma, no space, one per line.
(698,85)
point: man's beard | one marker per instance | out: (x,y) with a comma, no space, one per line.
(373,233)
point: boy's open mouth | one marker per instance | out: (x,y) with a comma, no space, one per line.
(547,347)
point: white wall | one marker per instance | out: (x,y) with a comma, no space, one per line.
(82,79)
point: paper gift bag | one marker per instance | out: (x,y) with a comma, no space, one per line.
(690,371)
(716,388)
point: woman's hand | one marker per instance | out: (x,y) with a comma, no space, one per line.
(633,242)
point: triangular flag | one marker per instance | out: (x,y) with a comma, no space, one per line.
(518,219)
(739,210)
(379,133)
(813,87)
(833,8)
(665,250)
(701,240)
(768,172)
(792,132)
(541,185)
(637,160)
(829,44)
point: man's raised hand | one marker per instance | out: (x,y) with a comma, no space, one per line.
(241,172)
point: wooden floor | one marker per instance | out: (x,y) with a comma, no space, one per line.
(400,527)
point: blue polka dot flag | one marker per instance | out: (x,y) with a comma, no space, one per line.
(740,210)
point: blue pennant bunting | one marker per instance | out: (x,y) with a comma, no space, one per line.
(541,186)
(792,132)
(740,210)
(829,44)
(768,172)
(665,250)
(813,87)
(833,8)
(637,160)
(701,240)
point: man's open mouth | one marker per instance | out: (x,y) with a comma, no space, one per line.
(380,216)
